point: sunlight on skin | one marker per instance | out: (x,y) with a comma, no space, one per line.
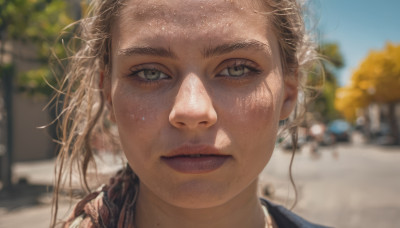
(191,101)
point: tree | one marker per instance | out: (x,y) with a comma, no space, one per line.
(351,99)
(376,80)
(36,23)
(323,105)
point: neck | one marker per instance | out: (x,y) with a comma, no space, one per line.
(244,210)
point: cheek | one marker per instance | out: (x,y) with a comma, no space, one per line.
(251,121)
(137,118)
(129,110)
(256,111)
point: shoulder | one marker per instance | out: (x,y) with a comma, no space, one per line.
(285,218)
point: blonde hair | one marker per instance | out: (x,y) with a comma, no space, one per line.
(84,111)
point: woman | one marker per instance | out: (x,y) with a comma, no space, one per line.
(196,90)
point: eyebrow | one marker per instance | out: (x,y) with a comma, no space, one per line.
(145,50)
(231,47)
(207,52)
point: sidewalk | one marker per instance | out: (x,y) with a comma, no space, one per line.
(29,201)
(30,197)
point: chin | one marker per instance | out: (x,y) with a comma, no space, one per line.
(198,194)
(202,194)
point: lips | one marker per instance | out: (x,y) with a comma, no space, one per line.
(195,159)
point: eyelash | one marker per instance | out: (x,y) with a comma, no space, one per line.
(137,70)
(246,65)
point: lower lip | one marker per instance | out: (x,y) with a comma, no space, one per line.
(195,165)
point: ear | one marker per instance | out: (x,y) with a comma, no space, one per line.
(105,85)
(291,83)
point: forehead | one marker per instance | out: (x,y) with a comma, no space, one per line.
(145,20)
(185,9)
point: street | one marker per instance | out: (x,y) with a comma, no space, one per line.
(345,186)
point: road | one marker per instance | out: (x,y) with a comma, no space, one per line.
(347,186)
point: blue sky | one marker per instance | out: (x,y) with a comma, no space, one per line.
(358,26)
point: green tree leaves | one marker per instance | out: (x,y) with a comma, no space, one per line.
(37,23)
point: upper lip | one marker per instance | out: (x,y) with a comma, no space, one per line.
(190,149)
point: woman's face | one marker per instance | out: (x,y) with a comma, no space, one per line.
(197,92)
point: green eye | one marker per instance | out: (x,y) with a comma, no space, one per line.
(151,74)
(235,71)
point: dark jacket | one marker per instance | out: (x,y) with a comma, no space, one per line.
(287,219)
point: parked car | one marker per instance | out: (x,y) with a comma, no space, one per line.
(340,129)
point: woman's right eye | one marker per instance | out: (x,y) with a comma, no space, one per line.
(149,74)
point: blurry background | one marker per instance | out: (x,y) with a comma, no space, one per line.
(346,168)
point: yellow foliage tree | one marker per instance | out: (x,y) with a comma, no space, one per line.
(349,99)
(379,74)
(377,80)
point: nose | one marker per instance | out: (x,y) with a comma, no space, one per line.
(193,107)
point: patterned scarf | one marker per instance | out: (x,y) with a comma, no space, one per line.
(112,206)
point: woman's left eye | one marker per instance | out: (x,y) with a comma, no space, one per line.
(237,70)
